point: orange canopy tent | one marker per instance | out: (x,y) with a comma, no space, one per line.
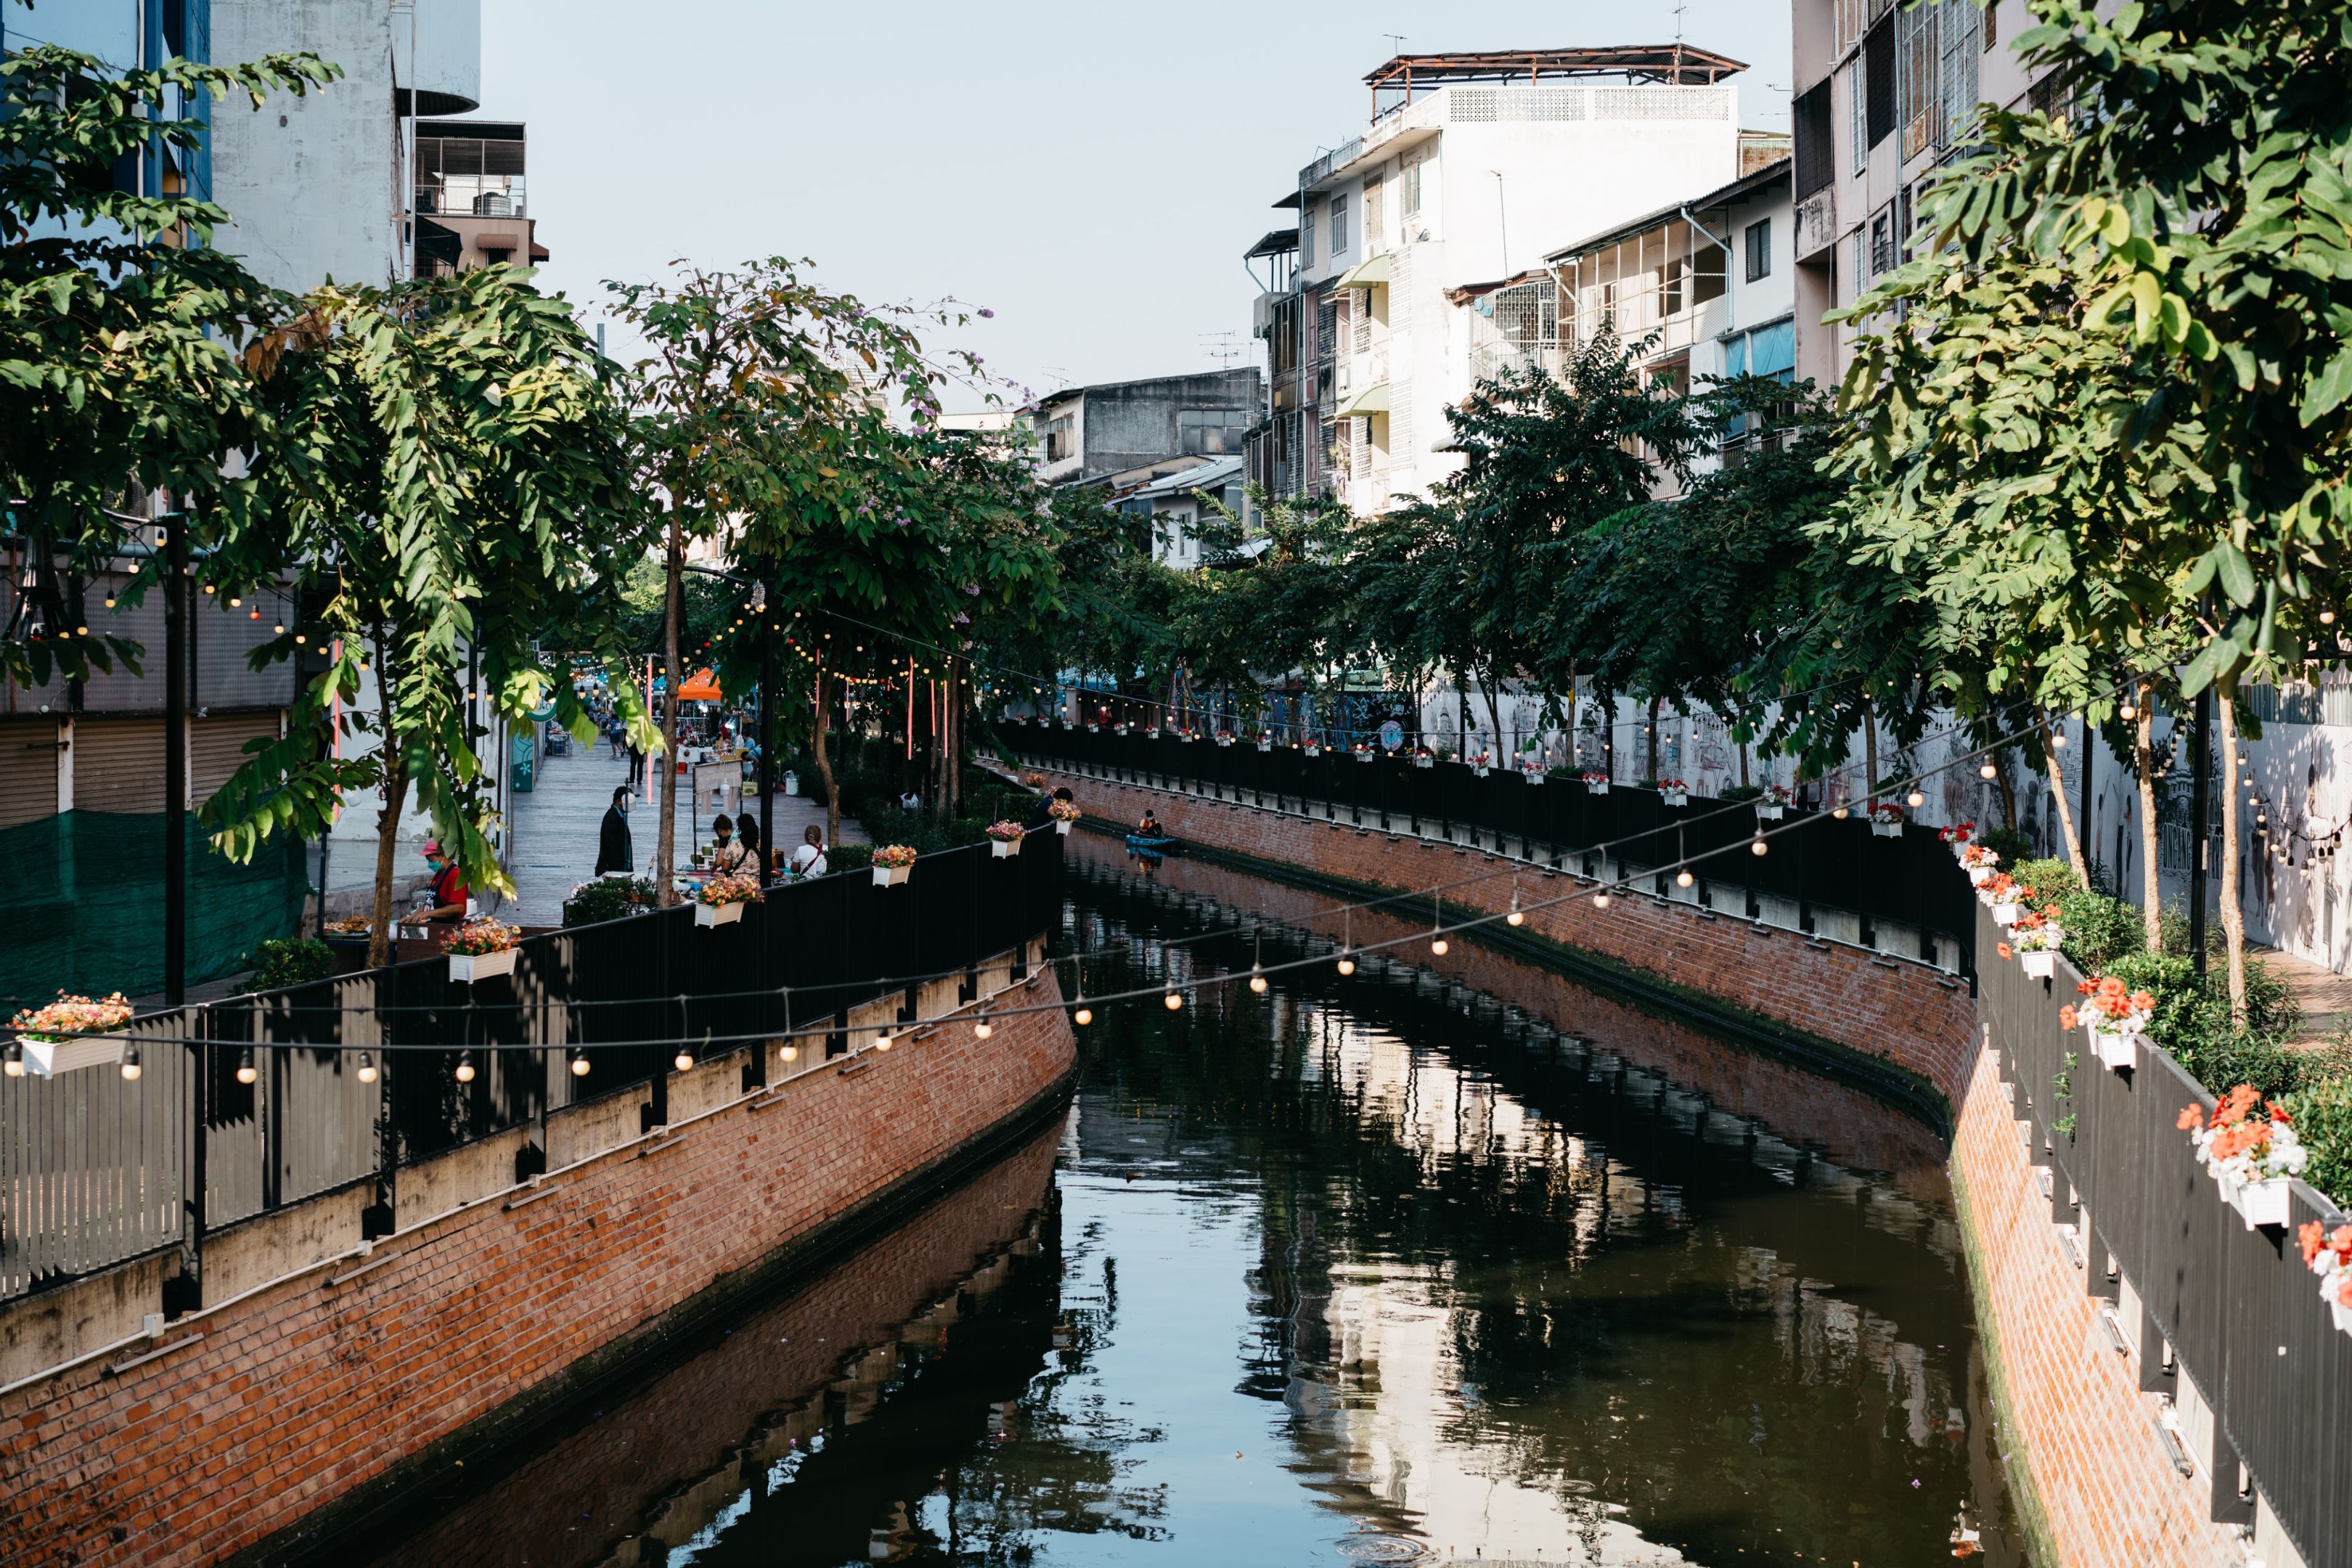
(701,687)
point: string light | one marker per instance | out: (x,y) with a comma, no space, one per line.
(1173,1001)
(1758,846)
(2127,712)
(465,1066)
(1918,798)
(367,1068)
(1683,878)
(1347,962)
(1084,1015)
(110,601)
(1985,771)
(1599,900)
(130,1065)
(1518,916)
(1840,811)
(245,1071)
(887,1041)
(683,1061)
(982,1029)
(13,1062)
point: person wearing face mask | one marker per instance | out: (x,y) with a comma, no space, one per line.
(614,853)
(448,885)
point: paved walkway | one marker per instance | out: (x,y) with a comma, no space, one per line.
(2325,995)
(557,824)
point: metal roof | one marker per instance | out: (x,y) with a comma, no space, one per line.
(1278,242)
(1775,173)
(1682,64)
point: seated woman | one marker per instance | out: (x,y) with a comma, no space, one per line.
(808,860)
(726,854)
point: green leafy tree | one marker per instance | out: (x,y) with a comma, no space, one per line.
(449,480)
(119,328)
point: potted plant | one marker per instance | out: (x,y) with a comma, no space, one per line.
(2328,1253)
(1423,757)
(73,1032)
(1097,729)
(1265,741)
(892,863)
(1361,752)
(480,949)
(1064,812)
(1153,733)
(1187,735)
(1480,760)
(1224,737)
(2250,1149)
(1004,839)
(2117,1019)
(1774,803)
(1312,749)
(1674,792)
(721,900)
(1959,836)
(1531,768)
(1036,780)
(1595,781)
(2038,937)
(1118,729)
(1887,820)
(1979,863)
(2006,897)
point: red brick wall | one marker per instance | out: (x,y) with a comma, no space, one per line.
(2093,1484)
(297,1394)
(1907,1014)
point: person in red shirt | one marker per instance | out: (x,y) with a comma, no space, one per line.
(448,885)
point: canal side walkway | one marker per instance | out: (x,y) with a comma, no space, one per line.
(552,843)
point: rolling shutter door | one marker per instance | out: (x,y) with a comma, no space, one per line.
(28,771)
(218,749)
(119,765)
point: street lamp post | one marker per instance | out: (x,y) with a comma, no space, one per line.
(175,757)
(767,733)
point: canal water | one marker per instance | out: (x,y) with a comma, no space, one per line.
(1421,1265)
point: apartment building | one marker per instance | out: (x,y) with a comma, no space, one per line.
(471,196)
(1090,433)
(1471,167)
(1703,287)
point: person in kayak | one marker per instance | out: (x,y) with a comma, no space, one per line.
(1149,827)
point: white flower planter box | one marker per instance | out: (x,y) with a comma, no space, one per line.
(1224,740)
(1424,761)
(1887,829)
(1479,768)
(2263,1203)
(1061,827)
(1674,796)
(2004,912)
(891,875)
(2341,1313)
(1151,734)
(716,914)
(2115,1048)
(1769,812)
(1534,776)
(1596,786)
(472,966)
(1005,848)
(1979,876)
(2039,963)
(1314,751)
(1097,729)
(1265,745)
(46,1057)
(1067,725)
(1361,756)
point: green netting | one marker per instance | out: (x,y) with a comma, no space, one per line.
(81,905)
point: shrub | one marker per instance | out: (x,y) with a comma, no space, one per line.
(289,961)
(849,858)
(2050,879)
(2099,929)
(2323,1120)
(1741,792)
(608,899)
(2008,843)
(2192,1022)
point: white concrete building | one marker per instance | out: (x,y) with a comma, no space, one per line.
(1472,166)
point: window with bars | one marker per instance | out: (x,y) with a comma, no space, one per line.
(1410,204)
(1878,57)
(1375,225)
(1759,249)
(1857,103)
(1341,240)
(1816,150)
(1918,107)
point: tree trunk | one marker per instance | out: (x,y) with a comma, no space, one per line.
(824,761)
(956,684)
(666,854)
(1494,710)
(1869,749)
(2007,790)
(1649,731)
(387,822)
(2233,918)
(2151,888)
(2058,799)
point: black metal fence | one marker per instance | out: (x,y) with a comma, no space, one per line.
(95,1169)
(1824,862)
(2233,1309)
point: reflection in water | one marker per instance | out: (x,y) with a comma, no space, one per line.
(1364,1270)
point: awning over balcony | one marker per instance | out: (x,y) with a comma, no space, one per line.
(1374,399)
(1370,273)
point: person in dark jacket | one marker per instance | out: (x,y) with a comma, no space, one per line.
(1041,814)
(613,850)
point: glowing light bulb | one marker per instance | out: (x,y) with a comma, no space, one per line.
(208,588)
(1758,847)
(14,1064)
(2127,711)
(277,626)
(1172,1001)
(1518,916)
(1083,1016)
(683,1061)
(465,1066)
(1257,981)
(367,1068)
(110,601)
(1599,900)
(580,1063)
(1347,963)
(2058,741)
(1841,813)
(2326,617)
(235,602)
(1683,878)
(886,1042)
(130,1065)
(983,1028)
(245,1071)
(1918,798)
(1987,772)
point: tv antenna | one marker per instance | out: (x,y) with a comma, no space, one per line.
(1396,42)
(1224,347)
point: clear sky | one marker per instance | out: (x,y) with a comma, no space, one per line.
(1092,172)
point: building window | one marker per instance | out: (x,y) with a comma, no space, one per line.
(1759,249)
(1306,235)
(1857,102)
(1878,63)
(1816,157)
(1209,432)
(1411,203)
(1375,216)
(1883,241)
(1339,241)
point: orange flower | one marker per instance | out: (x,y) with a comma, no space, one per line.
(2068,1018)
(2004,950)
(2344,1288)
(2279,1115)
(2085,987)
(2191,1116)
(2310,1233)
(2110,986)
(2143,1001)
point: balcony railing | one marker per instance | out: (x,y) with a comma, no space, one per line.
(474,196)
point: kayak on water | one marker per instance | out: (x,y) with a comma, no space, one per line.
(1154,845)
